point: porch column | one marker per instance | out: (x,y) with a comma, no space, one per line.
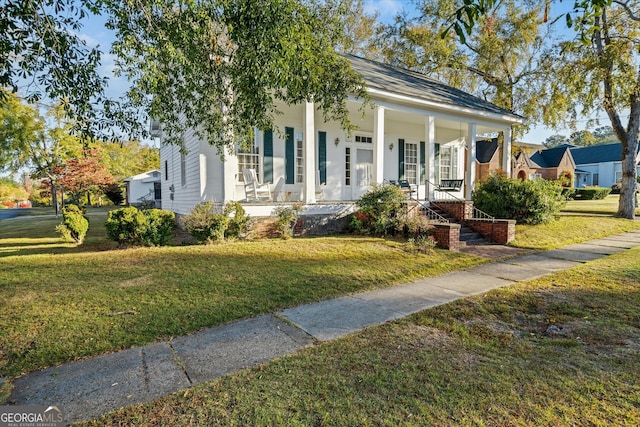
(378,145)
(309,138)
(230,173)
(470,177)
(430,154)
(506,151)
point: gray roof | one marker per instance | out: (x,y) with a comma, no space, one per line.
(485,149)
(410,83)
(551,157)
(597,154)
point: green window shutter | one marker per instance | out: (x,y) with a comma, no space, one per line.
(268,157)
(401,159)
(423,161)
(290,156)
(322,156)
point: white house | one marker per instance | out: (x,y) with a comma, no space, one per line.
(599,165)
(420,130)
(143,188)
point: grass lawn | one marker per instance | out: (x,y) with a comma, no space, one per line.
(62,302)
(606,206)
(489,360)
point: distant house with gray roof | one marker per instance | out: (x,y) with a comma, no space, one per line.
(551,163)
(417,129)
(598,165)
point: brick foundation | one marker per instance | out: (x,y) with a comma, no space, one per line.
(500,231)
(460,210)
(447,236)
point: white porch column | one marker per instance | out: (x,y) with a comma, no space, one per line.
(309,139)
(230,171)
(470,177)
(378,145)
(430,153)
(506,151)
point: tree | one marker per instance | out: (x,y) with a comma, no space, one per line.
(83,174)
(582,138)
(21,125)
(597,70)
(220,66)
(500,62)
(11,190)
(38,145)
(555,140)
(128,158)
(603,74)
(43,55)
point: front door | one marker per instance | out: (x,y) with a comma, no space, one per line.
(364,172)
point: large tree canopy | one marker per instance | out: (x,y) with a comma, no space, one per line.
(220,66)
(501,62)
(43,56)
(598,70)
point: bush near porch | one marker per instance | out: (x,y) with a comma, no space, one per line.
(526,201)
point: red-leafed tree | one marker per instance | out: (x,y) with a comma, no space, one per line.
(84,174)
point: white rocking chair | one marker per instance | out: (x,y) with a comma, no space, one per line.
(253,190)
(319,188)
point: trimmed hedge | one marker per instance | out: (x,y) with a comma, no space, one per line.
(74,225)
(131,226)
(591,193)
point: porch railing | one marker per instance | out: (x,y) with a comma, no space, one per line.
(448,196)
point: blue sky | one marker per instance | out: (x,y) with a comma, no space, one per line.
(95,33)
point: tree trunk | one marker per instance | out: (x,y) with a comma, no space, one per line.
(627,204)
(54,197)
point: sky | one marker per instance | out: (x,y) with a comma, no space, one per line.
(95,33)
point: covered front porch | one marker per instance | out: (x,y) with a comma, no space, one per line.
(313,161)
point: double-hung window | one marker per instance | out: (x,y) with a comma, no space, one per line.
(249,158)
(411,162)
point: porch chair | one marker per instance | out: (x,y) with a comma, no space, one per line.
(319,187)
(253,190)
(406,188)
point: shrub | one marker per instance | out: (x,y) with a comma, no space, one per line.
(205,224)
(74,225)
(422,244)
(287,218)
(381,210)
(238,221)
(591,193)
(529,202)
(127,225)
(114,193)
(160,227)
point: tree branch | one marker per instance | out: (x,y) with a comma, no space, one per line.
(627,9)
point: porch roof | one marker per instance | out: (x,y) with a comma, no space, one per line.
(412,84)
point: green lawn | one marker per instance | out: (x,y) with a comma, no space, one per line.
(606,206)
(62,302)
(489,360)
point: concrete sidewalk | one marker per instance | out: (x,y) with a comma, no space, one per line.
(93,387)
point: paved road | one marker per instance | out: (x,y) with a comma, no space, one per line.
(12,213)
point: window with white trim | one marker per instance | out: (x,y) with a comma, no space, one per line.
(249,159)
(411,162)
(364,139)
(618,176)
(446,162)
(299,161)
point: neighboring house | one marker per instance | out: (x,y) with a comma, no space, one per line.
(599,165)
(487,157)
(143,188)
(551,163)
(420,130)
